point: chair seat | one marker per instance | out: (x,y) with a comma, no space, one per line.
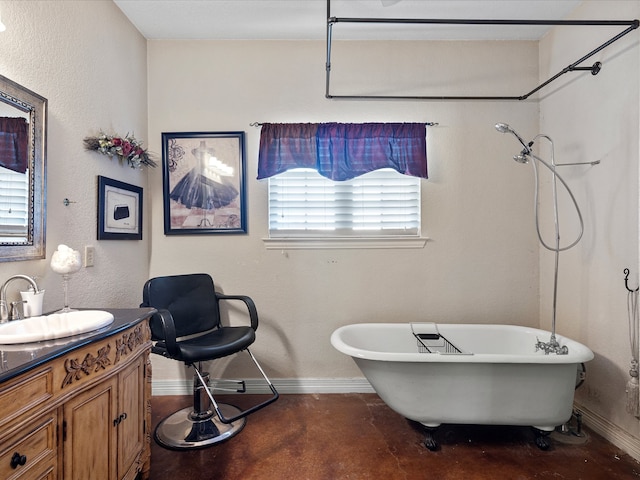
(215,344)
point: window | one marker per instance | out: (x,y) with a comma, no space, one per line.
(14,190)
(382,203)
(343,185)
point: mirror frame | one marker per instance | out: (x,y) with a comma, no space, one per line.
(35,106)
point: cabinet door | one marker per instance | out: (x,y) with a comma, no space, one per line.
(89,434)
(131,434)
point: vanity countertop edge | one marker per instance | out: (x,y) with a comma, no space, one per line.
(20,358)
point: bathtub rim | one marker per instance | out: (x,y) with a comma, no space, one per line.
(578,353)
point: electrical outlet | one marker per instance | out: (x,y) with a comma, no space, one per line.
(89,255)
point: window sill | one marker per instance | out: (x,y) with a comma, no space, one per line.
(343,243)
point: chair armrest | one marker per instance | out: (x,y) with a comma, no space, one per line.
(168,332)
(251,307)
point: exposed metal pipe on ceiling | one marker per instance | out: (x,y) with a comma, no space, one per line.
(595,68)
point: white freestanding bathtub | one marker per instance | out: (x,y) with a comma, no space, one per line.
(496,376)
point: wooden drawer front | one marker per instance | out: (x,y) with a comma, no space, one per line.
(19,396)
(48,473)
(37,448)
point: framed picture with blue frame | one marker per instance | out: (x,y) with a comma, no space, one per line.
(203,177)
(119,210)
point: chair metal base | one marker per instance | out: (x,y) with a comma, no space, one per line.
(187,430)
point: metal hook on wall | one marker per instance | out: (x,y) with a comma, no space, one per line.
(626,280)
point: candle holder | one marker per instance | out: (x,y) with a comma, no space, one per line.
(65,287)
(66,262)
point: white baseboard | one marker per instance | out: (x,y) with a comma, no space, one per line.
(283,385)
(611,432)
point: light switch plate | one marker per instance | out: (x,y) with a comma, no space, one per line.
(89,255)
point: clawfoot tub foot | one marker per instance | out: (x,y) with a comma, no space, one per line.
(429,441)
(542,439)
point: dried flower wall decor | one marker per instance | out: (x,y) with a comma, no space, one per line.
(126,149)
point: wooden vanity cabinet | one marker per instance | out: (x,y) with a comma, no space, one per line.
(85,415)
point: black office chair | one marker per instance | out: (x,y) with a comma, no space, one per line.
(187,328)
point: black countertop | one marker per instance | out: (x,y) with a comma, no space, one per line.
(20,358)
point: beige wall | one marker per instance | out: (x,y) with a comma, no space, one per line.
(596,118)
(90,63)
(481,264)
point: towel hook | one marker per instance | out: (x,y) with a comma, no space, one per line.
(626,280)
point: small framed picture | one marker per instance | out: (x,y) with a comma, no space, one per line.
(119,210)
(203,183)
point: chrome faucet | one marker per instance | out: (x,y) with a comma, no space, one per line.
(552,346)
(4,309)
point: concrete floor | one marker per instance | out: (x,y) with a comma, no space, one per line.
(356,436)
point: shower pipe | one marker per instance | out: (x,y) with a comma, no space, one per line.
(595,68)
(552,346)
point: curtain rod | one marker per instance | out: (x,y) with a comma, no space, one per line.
(428,124)
(595,68)
(454,21)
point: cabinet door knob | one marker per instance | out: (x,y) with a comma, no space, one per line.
(18,459)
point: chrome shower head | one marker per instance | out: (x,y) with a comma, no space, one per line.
(521,158)
(504,128)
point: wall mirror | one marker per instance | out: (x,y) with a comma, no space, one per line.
(23,132)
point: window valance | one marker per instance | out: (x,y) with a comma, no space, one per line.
(341,151)
(14,141)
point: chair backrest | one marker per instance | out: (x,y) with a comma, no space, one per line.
(191,300)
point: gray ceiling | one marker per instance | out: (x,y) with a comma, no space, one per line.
(306,19)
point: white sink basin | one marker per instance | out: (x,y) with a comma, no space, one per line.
(55,325)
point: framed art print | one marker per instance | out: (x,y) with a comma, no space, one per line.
(119,210)
(203,183)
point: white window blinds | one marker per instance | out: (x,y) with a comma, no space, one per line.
(14,189)
(302,203)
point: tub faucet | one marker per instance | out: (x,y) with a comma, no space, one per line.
(552,346)
(4,308)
